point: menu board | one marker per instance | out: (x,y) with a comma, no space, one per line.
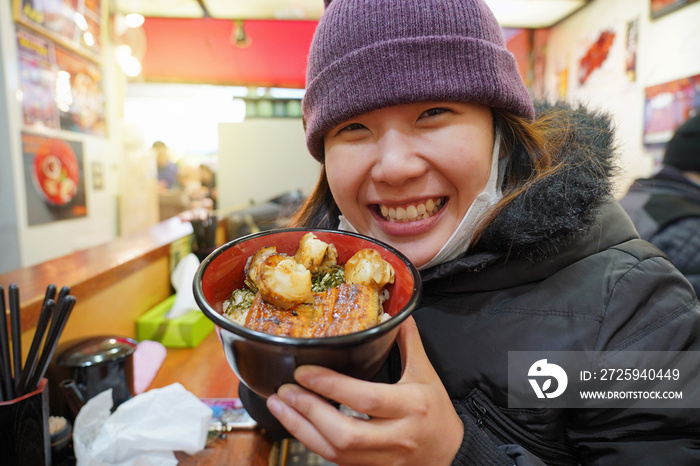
(54,178)
(60,89)
(75,24)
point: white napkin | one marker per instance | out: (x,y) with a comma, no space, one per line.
(143,431)
(181,279)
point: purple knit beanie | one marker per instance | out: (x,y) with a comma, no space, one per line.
(368,54)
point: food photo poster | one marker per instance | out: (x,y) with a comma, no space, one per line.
(54,178)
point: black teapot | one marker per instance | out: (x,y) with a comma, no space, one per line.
(85,368)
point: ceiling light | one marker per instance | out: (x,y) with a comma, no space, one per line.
(240,39)
(89,39)
(532,13)
(122,51)
(134,20)
(286,93)
(509,13)
(131,66)
(80,21)
(63,94)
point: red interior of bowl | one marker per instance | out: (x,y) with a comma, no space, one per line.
(225,272)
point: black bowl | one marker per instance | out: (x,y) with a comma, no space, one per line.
(264,362)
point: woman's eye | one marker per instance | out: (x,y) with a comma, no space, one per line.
(433,111)
(352,127)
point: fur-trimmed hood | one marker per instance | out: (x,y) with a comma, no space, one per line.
(544,218)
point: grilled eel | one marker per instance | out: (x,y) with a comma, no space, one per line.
(336,311)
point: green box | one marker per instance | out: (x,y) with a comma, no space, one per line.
(186,331)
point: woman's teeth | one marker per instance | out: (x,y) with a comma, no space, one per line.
(411,212)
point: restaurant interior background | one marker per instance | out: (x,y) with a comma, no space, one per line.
(220,83)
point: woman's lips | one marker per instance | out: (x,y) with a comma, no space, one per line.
(409,219)
(411,212)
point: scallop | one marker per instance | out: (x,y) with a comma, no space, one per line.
(367,267)
(280,280)
(316,255)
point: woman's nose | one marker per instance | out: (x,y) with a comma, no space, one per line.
(398,159)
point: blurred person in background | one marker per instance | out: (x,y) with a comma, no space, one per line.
(167,169)
(665,208)
(208,181)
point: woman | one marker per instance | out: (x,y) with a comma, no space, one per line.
(429,142)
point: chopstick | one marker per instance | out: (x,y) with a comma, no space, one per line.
(198,229)
(64,306)
(32,358)
(54,315)
(50,293)
(204,226)
(5,369)
(16,329)
(211,233)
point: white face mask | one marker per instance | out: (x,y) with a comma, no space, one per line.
(463,235)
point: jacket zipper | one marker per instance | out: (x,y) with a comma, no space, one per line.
(552,456)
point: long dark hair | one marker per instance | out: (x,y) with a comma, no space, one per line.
(319,210)
(532,148)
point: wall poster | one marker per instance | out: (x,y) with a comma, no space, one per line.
(37,80)
(60,89)
(75,24)
(595,55)
(669,105)
(631,47)
(54,178)
(660,8)
(79,94)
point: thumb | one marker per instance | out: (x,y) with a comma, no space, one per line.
(413,357)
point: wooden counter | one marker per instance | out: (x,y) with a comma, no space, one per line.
(113,283)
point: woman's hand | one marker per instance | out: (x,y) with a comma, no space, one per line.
(411,422)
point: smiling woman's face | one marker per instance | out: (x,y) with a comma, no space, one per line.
(407,174)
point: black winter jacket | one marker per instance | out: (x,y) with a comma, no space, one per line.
(560,269)
(607,291)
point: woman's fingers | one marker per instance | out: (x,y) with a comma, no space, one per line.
(366,397)
(376,399)
(334,435)
(318,424)
(295,422)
